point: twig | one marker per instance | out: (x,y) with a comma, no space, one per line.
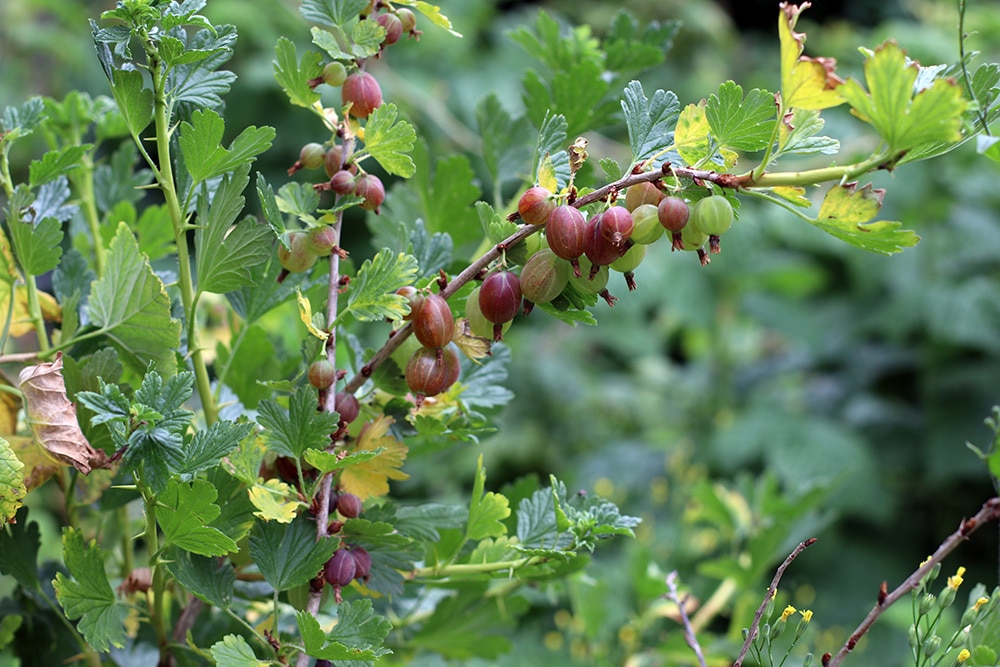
(990,511)
(689,635)
(771,592)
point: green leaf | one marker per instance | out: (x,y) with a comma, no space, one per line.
(19,122)
(482,383)
(366,39)
(845,213)
(389,141)
(198,85)
(134,101)
(299,199)
(372,294)
(210,579)
(299,428)
(424,522)
(244,462)
(537,523)
(432,253)
(19,544)
(8,627)
(12,490)
(330,42)
(88,596)
(989,147)
(570,316)
(317,644)
(37,246)
(433,14)
(56,163)
(227,252)
(288,553)
(798,135)
(130,305)
(326,462)
(743,123)
(331,12)
(650,123)
(294,75)
(487,511)
(360,628)
(234,651)
(471,624)
(208,446)
(905,119)
(505,139)
(633,46)
(118,181)
(184,512)
(205,157)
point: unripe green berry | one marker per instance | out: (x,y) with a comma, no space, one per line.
(647,224)
(322,374)
(334,74)
(297,257)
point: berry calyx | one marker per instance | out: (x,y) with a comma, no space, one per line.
(362,92)
(500,299)
(370,188)
(616,225)
(310,157)
(322,374)
(566,233)
(433,324)
(543,278)
(629,262)
(536,205)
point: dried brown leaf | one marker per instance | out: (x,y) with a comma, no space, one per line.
(52,417)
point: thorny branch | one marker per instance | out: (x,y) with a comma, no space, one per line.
(689,635)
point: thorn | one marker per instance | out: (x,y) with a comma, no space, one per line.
(883,593)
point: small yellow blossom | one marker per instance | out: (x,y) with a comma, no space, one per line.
(979,603)
(963,655)
(807,615)
(956,581)
(789,610)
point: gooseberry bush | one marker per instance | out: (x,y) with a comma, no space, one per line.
(211,515)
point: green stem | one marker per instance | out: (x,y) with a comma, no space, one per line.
(128,552)
(460,569)
(158,590)
(35,310)
(185,282)
(759,170)
(85,183)
(814,176)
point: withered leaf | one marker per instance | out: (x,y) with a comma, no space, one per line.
(52,417)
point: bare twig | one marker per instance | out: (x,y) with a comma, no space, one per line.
(689,634)
(771,591)
(990,511)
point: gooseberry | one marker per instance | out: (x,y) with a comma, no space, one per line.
(566,234)
(647,224)
(543,278)
(642,193)
(362,92)
(536,205)
(433,323)
(500,299)
(370,188)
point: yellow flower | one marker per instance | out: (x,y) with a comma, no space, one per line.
(789,610)
(956,581)
(980,602)
(963,655)
(807,615)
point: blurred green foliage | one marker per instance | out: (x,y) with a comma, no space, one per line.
(795,387)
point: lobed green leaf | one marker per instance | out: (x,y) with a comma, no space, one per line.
(371,295)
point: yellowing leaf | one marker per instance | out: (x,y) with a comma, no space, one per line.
(546,176)
(19,316)
(806,83)
(691,137)
(272,500)
(12,490)
(432,12)
(473,346)
(39,466)
(793,195)
(52,417)
(845,213)
(371,478)
(10,405)
(306,315)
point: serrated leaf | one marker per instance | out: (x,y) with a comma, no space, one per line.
(135,102)
(432,252)
(570,316)
(371,478)
(244,462)
(482,386)
(184,512)
(433,14)
(366,39)
(389,141)
(797,135)
(130,305)
(487,511)
(210,579)
(208,446)
(331,12)
(234,651)
(19,122)
(325,462)
(12,490)
(546,175)
(56,163)
(292,74)
(37,245)
(612,170)
(19,543)
(551,139)
(292,431)
(313,322)
(317,645)
(903,119)
(275,500)
(299,199)
(743,123)
(372,294)
(88,596)
(793,195)
(201,84)
(288,553)
(471,624)
(845,213)
(808,83)
(537,524)
(329,42)
(205,157)
(225,252)
(118,181)
(650,123)
(505,139)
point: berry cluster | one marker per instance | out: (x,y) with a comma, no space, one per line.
(434,366)
(349,562)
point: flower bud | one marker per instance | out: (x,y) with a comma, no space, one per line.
(931,646)
(947,597)
(926,604)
